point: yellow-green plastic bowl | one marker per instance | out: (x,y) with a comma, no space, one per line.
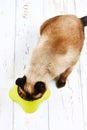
(27,106)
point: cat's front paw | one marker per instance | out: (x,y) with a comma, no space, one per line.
(60,83)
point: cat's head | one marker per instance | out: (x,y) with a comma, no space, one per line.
(30,91)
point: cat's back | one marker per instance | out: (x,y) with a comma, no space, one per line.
(63,31)
(62,24)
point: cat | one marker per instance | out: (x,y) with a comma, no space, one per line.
(58,50)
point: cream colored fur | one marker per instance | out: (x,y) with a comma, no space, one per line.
(59,46)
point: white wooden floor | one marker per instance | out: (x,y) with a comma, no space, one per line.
(19,28)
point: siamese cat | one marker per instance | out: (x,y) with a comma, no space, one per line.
(58,50)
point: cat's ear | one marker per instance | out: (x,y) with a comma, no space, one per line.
(21,81)
(39,87)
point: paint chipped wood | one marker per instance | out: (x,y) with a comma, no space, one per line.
(19,29)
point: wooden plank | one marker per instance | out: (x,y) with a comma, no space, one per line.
(54,7)
(51,8)
(7,37)
(28,19)
(83,65)
(65,105)
(69,7)
(81,10)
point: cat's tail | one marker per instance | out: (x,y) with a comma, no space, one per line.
(84,20)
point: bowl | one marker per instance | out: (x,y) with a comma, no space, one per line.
(27,106)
